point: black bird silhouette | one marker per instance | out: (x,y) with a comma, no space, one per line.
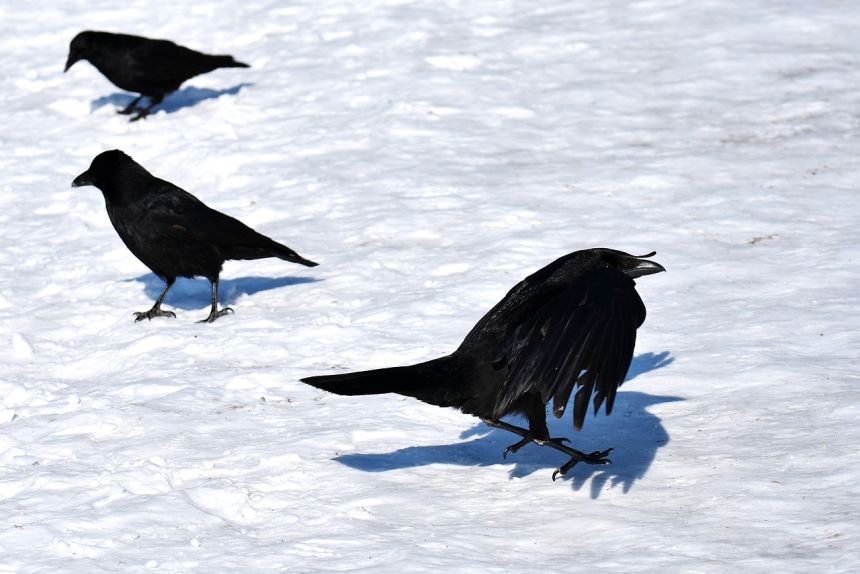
(171,231)
(571,324)
(151,68)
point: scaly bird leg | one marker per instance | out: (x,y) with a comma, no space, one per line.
(143,112)
(131,107)
(214,313)
(156,309)
(596,457)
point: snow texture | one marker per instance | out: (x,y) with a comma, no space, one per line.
(430,154)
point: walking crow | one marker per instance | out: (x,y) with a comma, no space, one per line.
(171,231)
(151,68)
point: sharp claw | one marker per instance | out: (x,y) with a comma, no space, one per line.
(599,457)
(561,471)
(141,315)
(517,446)
(596,457)
(212,316)
(600,453)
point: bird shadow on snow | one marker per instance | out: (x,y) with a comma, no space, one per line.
(191,294)
(635,433)
(184,98)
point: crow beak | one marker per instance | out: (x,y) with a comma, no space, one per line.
(82,180)
(70,62)
(639,266)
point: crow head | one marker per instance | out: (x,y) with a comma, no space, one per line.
(79,49)
(103,169)
(120,178)
(631,265)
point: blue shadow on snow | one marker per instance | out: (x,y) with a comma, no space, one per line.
(182,98)
(191,294)
(635,434)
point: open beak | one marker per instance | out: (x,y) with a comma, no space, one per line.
(82,180)
(640,266)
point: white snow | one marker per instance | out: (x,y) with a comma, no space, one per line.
(430,155)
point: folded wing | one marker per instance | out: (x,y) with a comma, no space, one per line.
(582,336)
(186,218)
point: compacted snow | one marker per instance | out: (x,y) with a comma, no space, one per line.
(430,155)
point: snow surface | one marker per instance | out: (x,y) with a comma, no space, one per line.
(430,154)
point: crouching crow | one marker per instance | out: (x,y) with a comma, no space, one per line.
(571,324)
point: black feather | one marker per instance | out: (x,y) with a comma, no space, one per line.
(149,67)
(171,231)
(570,325)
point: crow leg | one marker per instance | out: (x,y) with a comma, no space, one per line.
(156,309)
(533,408)
(143,112)
(529,436)
(214,313)
(131,107)
(596,457)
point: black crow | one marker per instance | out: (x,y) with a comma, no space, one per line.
(171,231)
(571,324)
(151,68)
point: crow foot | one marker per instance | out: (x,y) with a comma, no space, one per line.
(154,312)
(142,112)
(131,107)
(596,457)
(134,107)
(215,314)
(529,439)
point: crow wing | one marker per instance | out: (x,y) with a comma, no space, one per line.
(202,224)
(164,65)
(183,217)
(583,335)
